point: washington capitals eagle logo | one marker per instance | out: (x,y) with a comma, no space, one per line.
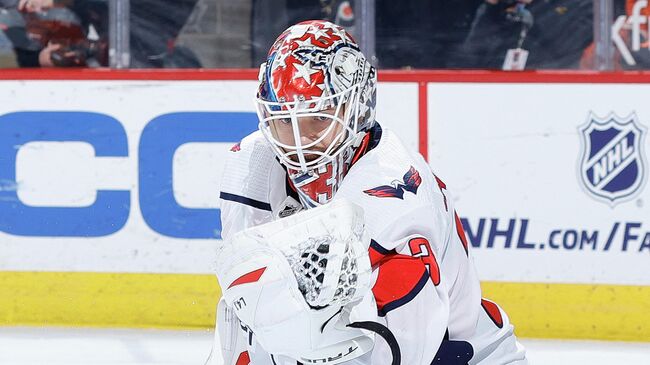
(612,166)
(410,182)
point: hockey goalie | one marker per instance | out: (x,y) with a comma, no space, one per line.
(341,246)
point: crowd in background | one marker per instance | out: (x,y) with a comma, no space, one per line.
(458,34)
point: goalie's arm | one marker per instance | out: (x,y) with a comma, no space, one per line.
(418,262)
(412,305)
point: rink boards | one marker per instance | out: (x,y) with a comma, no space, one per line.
(109,210)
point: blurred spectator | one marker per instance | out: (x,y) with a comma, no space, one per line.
(626,55)
(421,33)
(640,56)
(7,55)
(62,33)
(554,32)
(155,26)
(272,17)
(219,33)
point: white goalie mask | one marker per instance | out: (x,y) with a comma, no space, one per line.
(298,283)
(316,104)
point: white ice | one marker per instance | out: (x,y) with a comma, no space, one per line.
(54,346)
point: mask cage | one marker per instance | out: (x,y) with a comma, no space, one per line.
(285,112)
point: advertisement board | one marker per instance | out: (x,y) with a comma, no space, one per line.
(124,176)
(552,181)
(109,185)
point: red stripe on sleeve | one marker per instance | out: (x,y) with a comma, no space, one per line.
(375,257)
(461,233)
(398,276)
(493,312)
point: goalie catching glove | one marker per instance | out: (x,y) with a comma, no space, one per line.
(298,283)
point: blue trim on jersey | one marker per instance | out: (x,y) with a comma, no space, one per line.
(453,352)
(377,247)
(246,201)
(375,135)
(408,297)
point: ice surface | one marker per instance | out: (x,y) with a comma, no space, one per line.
(55,346)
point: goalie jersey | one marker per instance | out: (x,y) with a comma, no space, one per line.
(426,289)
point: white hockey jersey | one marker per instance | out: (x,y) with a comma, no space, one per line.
(427,291)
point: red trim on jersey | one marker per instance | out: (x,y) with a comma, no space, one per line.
(461,233)
(243,359)
(442,186)
(493,312)
(236,147)
(378,253)
(251,277)
(375,257)
(398,276)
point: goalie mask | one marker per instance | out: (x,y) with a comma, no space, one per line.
(316,104)
(300,282)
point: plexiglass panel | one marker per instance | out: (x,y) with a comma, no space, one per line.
(405,34)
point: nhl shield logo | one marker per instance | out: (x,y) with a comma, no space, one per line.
(612,165)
